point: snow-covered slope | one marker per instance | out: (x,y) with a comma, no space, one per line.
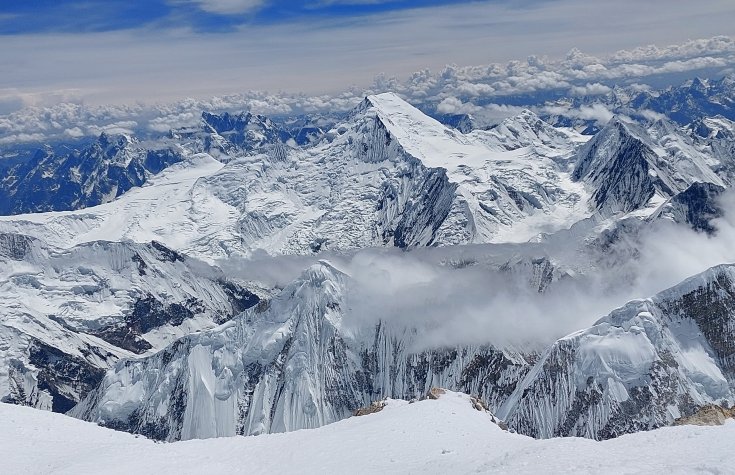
(696,206)
(226,136)
(67,315)
(630,168)
(162,209)
(388,175)
(692,100)
(446,435)
(89,290)
(641,367)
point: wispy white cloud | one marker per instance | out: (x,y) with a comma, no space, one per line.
(223,7)
(325,3)
(475,304)
(477,90)
(588,89)
(319,56)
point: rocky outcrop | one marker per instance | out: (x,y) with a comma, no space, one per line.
(98,174)
(101,302)
(375,406)
(289,366)
(625,171)
(710,415)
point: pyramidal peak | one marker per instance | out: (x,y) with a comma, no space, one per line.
(423,137)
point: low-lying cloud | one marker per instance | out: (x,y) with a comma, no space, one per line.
(484,91)
(458,296)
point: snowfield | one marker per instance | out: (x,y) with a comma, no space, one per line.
(390,175)
(432,436)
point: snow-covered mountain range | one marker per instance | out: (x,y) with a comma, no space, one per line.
(299,364)
(137,289)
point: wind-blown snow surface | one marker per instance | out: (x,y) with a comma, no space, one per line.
(446,435)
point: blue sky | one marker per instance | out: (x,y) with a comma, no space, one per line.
(54,16)
(124,51)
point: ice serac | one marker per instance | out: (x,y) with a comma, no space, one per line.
(69,315)
(98,174)
(643,366)
(626,169)
(290,364)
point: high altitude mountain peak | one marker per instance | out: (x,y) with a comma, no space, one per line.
(294,364)
(626,167)
(106,314)
(245,130)
(96,174)
(527,129)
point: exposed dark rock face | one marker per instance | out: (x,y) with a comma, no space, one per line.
(462,122)
(240,297)
(693,100)
(59,375)
(98,174)
(696,206)
(625,167)
(291,365)
(15,246)
(245,131)
(131,296)
(617,165)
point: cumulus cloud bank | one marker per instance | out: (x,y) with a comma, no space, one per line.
(483,91)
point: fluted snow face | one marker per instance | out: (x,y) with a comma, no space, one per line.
(641,367)
(299,363)
(68,315)
(292,365)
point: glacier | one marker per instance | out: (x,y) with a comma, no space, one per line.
(124,307)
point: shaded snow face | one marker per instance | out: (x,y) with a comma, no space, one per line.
(299,362)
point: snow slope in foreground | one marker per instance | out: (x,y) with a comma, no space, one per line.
(432,436)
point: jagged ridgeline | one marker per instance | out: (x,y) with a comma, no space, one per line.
(295,364)
(116,308)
